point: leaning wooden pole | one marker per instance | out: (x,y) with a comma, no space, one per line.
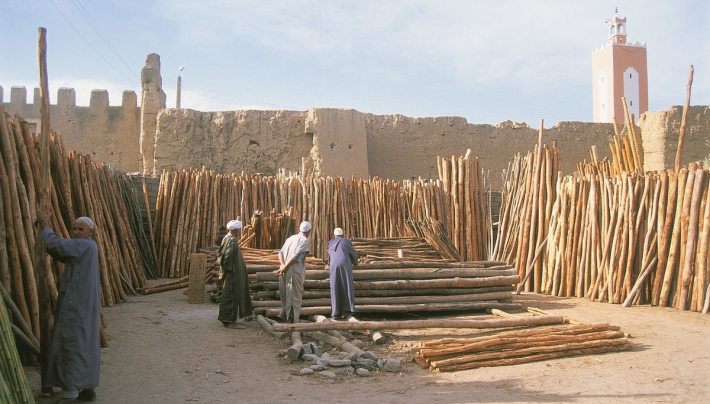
(44,205)
(681,137)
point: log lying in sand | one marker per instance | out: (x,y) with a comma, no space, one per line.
(419,324)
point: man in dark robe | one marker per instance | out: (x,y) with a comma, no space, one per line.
(74,358)
(235,303)
(341,260)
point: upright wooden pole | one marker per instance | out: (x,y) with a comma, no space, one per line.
(681,137)
(44,203)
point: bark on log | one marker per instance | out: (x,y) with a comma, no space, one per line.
(196,290)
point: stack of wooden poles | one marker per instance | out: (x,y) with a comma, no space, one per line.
(527,198)
(521,345)
(14,387)
(78,187)
(193,204)
(613,233)
(396,287)
(372,250)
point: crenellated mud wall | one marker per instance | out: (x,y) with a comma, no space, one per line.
(108,133)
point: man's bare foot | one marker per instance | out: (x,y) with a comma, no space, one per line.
(236,326)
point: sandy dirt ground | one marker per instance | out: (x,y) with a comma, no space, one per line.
(164,350)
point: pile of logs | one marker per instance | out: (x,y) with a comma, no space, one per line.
(371,250)
(365,208)
(520,346)
(397,287)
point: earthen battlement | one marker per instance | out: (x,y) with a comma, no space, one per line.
(66,98)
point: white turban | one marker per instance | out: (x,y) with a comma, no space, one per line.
(304,227)
(88,222)
(338,231)
(234,225)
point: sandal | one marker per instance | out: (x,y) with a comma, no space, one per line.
(87,395)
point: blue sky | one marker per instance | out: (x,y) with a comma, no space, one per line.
(488,61)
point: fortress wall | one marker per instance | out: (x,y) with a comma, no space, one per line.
(108,133)
(400,147)
(660,132)
(231,141)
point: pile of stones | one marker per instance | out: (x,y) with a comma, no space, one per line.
(344,364)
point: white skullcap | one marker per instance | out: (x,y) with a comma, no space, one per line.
(88,221)
(234,225)
(304,227)
(338,231)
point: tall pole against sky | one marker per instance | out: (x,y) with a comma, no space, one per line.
(179,87)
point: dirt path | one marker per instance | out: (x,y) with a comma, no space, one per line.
(164,350)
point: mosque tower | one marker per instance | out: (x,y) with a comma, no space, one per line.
(619,70)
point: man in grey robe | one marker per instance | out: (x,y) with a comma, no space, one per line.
(292,272)
(341,260)
(235,303)
(74,357)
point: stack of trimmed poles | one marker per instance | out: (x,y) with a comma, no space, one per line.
(78,186)
(520,346)
(397,287)
(612,233)
(192,204)
(526,209)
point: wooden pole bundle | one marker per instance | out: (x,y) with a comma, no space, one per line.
(520,346)
(370,208)
(14,387)
(72,186)
(526,211)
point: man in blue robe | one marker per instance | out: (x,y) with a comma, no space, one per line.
(341,260)
(74,357)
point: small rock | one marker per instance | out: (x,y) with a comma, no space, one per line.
(353,355)
(369,355)
(392,365)
(328,374)
(316,349)
(362,372)
(325,356)
(283,352)
(381,363)
(307,349)
(342,355)
(339,362)
(345,371)
(309,357)
(368,364)
(306,371)
(317,367)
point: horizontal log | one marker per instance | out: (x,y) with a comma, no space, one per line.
(256,268)
(419,324)
(412,273)
(498,296)
(401,308)
(323,293)
(412,284)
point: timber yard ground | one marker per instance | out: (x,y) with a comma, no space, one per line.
(163,350)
